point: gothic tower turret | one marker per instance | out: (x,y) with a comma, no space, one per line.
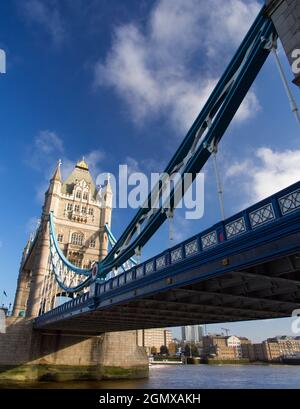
(80,212)
(106,197)
(41,259)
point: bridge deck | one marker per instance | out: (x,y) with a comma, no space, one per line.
(245,268)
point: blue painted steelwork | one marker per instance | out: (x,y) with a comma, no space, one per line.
(194,151)
(131,262)
(219,240)
(246,230)
(62,268)
(61,255)
(196,148)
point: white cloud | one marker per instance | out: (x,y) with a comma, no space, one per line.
(143,165)
(46,145)
(48,142)
(225,26)
(47,15)
(239,168)
(156,69)
(249,108)
(94,158)
(268,172)
(133,166)
(66,167)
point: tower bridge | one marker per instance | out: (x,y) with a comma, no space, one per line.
(243,268)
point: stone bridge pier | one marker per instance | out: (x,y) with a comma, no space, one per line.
(34,355)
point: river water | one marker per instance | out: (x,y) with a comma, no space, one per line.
(194,377)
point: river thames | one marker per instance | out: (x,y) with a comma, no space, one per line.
(193,377)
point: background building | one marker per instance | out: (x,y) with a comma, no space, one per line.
(192,333)
(153,339)
(225,347)
(275,349)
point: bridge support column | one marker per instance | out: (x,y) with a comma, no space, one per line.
(38,273)
(22,293)
(285,15)
(121,357)
(30,355)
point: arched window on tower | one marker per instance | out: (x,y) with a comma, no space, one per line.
(78,194)
(85,195)
(92,243)
(76,262)
(77,239)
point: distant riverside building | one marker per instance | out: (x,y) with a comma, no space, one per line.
(153,339)
(275,349)
(192,333)
(173,347)
(245,342)
(278,349)
(225,347)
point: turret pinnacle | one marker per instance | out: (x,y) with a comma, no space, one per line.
(54,186)
(57,174)
(107,185)
(107,192)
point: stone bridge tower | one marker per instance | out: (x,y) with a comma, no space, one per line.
(81,212)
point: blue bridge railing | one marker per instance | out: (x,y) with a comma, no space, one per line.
(262,213)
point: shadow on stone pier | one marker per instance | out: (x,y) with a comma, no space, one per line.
(31,355)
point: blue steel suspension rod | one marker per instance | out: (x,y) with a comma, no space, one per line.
(231,102)
(59,261)
(113,241)
(61,265)
(212,105)
(75,269)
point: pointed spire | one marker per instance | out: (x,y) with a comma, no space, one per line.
(107,192)
(107,185)
(57,174)
(107,181)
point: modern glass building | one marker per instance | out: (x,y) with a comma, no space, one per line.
(192,333)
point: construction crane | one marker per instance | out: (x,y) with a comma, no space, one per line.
(226,330)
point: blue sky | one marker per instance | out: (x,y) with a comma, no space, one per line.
(121,82)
